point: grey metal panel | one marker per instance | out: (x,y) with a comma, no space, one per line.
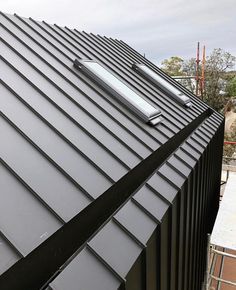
(186,157)
(46,35)
(165,235)
(53,35)
(108,63)
(69,128)
(57,64)
(85,123)
(59,78)
(19,29)
(51,30)
(181,236)
(151,202)
(191,141)
(188,147)
(204,134)
(207,128)
(85,272)
(217,118)
(136,279)
(212,122)
(136,221)
(163,187)
(200,140)
(180,165)
(23,219)
(188,230)
(133,156)
(116,248)
(163,126)
(53,145)
(69,37)
(174,242)
(8,255)
(85,144)
(59,30)
(185,200)
(54,28)
(172,175)
(44,178)
(152,262)
(165,243)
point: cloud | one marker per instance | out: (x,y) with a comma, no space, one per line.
(160,28)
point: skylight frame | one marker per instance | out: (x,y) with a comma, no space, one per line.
(120,90)
(162,83)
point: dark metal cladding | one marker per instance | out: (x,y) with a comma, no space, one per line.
(92,197)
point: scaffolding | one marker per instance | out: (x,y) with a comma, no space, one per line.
(199,76)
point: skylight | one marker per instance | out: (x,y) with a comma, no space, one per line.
(119,90)
(163,84)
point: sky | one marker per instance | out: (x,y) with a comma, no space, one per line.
(157,28)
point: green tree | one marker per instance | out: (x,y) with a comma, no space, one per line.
(220,84)
(173,66)
(189,69)
(231,87)
(217,76)
(217,65)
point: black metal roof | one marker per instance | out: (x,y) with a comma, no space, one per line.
(65,142)
(119,244)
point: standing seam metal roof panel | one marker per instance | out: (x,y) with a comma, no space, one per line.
(67,143)
(105,249)
(61,79)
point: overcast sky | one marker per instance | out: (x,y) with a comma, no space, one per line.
(158,28)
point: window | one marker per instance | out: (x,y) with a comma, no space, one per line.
(119,90)
(163,84)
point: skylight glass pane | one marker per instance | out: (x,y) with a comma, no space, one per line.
(164,84)
(119,89)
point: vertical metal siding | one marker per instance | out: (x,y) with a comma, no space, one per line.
(177,227)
